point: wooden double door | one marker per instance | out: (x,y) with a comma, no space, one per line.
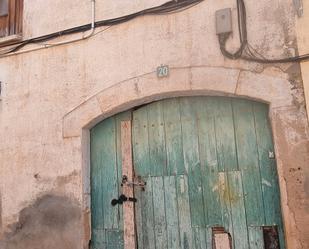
(210,173)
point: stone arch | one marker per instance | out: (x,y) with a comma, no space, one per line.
(185,81)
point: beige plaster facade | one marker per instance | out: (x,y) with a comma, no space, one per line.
(52,97)
(303,45)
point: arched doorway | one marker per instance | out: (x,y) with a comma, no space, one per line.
(210,174)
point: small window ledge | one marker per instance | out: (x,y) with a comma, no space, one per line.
(9,39)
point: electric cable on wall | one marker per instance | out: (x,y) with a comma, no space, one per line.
(246,51)
(166,8)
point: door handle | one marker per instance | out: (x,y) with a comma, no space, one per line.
(122,199)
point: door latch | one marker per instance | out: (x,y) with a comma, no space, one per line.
(122,199)
(137,182)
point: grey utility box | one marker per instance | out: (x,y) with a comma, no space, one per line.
(223,21)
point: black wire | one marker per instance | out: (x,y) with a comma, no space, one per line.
(239,21)
(246,47)
(166,8)
(242,34)
(300,58)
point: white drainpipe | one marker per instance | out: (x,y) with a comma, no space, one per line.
(92,20)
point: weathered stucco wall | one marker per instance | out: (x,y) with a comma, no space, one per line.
(50,98)
(303,47)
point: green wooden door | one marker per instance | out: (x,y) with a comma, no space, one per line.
(208,163)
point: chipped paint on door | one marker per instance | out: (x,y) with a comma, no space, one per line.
(206,164)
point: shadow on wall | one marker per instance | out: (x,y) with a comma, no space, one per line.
(51,222)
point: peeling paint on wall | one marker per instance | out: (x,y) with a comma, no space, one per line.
(295,78)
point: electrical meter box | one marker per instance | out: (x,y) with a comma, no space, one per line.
(223,21)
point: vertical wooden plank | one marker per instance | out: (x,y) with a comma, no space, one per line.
(186,240)
(114,239)
(159,212)
(97,172)
(248,161)
(127,169)
(225,203)
(148,216)
(225,135)
(240,235)
(208,158)
(256,240)
(139,195)
(173,137)
(125,116)
(268,169)
(153,164)
(144,208)
(209,237)
(140,142)
(98,239)
(199,238)
(269,178)
(171,212)
(156,140)
(109,174)
(189,135)
(192,161)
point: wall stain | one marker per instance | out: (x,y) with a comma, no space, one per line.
(63,180)
(59,182)
(295,78)
(51,222)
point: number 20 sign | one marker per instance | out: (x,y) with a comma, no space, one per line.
(163,71)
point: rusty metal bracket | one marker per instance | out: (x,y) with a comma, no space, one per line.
(136,182)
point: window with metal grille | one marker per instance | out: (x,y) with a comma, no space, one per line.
(10,17)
